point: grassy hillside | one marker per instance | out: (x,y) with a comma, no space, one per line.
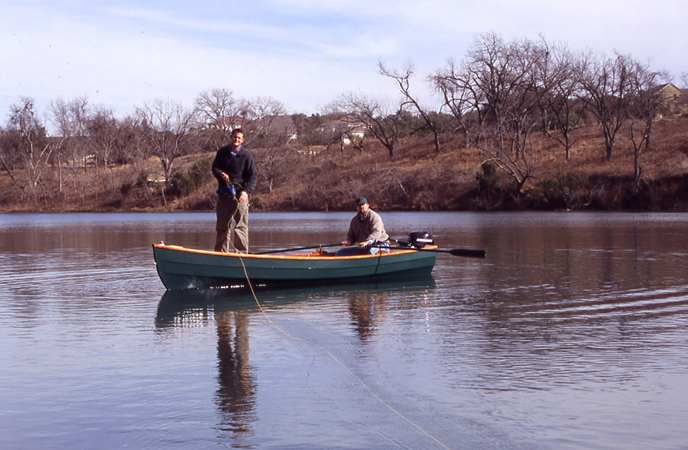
(416,179)
(420,179)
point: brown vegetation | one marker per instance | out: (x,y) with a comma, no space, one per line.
(456,178)
(417,179)
(520,125)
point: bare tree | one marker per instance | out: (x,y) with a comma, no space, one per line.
(385,126)
(133,132)
(60,113)
(259,119)
(104,135)
(645,100)
(69,118)
(220,112)
(607,85)
(168,124)
(8,155)
(269,128)
(216,105)
(30,145)
(500,81)
(276,162)
(462,97)
(560,103)
(403,80)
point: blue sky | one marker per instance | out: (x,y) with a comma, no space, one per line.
(121,54)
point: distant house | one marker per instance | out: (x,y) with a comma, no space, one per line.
(87,160)
(225,124)
(341,130)
(670,92)
(282,126)
(153,179)
(354,134)
(674,99)
(311,150)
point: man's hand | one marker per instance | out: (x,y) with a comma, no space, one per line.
(222,175)
(243,197)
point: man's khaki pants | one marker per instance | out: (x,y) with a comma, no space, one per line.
(232,225)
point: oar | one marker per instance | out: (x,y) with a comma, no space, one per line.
(468,252)
(282,250)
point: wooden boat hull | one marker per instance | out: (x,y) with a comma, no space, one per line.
(183,268)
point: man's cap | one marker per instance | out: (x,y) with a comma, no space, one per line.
(361,201)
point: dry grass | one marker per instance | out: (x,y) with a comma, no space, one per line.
(417,178)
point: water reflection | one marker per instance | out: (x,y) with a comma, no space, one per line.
(231,310)
(190,308)
(236,392)
(367,312)
(572,314)
(235,395)
(571,333)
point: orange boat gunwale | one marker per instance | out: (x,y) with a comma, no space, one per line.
(283,257)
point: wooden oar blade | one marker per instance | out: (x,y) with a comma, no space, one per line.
(468,252)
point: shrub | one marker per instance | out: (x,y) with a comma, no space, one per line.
(567,191)
(125,188)
(184,182)
(487,177)
(142,179)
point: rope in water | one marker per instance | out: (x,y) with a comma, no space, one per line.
(372,393)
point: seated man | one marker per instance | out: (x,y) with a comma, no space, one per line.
(366,232)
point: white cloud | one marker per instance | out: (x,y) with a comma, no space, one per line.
(301,52)
(64,57)
(650,31)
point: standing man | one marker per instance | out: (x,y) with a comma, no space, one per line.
(235,171)
(366,228)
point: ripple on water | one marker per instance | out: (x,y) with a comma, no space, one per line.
(569,334)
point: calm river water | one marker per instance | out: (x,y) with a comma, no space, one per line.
(571,334)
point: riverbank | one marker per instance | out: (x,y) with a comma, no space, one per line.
(417,179)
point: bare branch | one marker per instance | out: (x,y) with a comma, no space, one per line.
(607,87)
(384,125)
(168,124)
(402,78)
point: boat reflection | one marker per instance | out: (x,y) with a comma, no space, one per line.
(190,308)
(231,311)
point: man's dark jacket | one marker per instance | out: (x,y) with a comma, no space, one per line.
(239,165)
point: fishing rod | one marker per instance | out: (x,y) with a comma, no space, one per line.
(309,247)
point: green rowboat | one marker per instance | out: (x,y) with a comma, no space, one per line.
(186,268)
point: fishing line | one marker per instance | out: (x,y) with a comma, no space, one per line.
(370,391)
(379,255)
